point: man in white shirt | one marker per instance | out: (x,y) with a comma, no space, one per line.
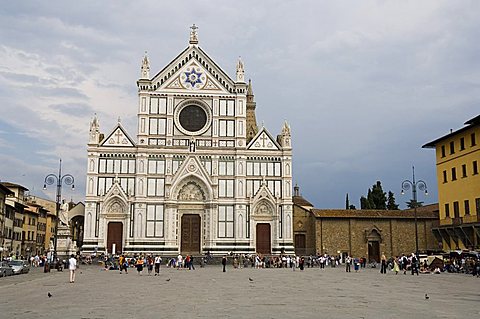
(179,261)
(72,265)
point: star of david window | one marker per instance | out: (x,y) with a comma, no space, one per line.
(193,78)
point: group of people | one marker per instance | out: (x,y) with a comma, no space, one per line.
(140,262)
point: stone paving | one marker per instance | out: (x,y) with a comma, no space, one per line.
(210,293)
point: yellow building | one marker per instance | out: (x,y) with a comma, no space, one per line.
(50,219)
(458,179)
(29,233)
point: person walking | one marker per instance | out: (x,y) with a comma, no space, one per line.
(139,265)
(224,263)
(149,264)
(72,266)
(383,268)
(414,265)
(158,262)
(396,266)
(192,267)
(179,261)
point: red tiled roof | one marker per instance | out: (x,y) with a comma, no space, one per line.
(300,201)
(426,212)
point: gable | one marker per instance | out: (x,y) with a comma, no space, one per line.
(193,70)
(118,138)
(263,141)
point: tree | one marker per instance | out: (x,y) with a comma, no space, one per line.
(364,204)
(411,204)
(347,203)
(352,207)
(376,198)
(379,197)
(391,205)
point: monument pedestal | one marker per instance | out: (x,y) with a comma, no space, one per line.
(65,245)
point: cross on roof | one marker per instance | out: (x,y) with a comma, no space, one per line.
(193,34)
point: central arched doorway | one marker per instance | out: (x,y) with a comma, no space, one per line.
(190,237)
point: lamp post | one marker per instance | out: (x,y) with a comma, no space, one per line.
(50,179)
(421,185)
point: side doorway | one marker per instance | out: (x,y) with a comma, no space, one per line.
(115,237)
(263,238)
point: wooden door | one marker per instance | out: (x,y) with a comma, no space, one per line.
(115,236)
(263,239)
(300,244)
(190,233)
(373,251)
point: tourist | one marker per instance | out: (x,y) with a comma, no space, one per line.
(403,263)
(121,261)
(383,268)
(124,265)
(356,264)
(139,265)
(179,261)
(149,264)
(348,263)
(224,263)
(158,262)
(396,266)
(414,264)
(72,266)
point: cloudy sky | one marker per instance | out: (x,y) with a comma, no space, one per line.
(363,84)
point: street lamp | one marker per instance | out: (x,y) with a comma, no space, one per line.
(50,179)
(421,185)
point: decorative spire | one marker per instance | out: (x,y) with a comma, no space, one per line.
(95,135)
(94,125)
(240,71)
(286,129)
(193,34)
(145,69)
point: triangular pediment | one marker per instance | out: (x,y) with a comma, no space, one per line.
(115,200)
(118,138)
(191,169)
(263,201)
(263,141)
(193,71)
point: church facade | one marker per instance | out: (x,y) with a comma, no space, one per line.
(199,177)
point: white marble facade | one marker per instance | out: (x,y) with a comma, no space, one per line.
(194,180)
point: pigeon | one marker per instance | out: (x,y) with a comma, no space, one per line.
(427,296)
(49,295)
(250,279)
(168,279)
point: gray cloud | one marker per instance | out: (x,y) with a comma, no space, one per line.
(363,84)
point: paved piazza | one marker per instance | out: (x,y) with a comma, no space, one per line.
(209,293)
